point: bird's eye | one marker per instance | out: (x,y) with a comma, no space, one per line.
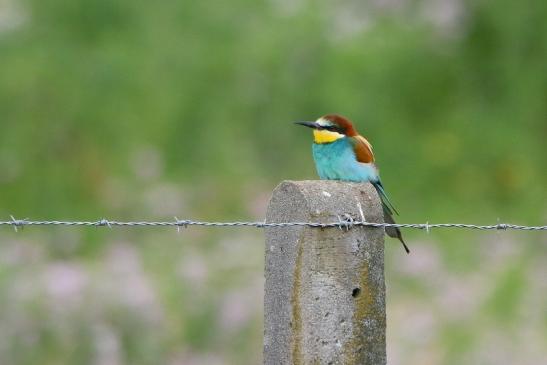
(330,128)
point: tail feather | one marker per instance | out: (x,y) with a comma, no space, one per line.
(389,209)
(393,232)
(383,196)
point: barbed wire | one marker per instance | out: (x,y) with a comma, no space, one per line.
(342,223)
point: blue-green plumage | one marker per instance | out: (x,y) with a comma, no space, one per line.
(337,161)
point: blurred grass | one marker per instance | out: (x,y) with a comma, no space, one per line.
(129,109)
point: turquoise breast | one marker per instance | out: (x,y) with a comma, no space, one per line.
(336,161)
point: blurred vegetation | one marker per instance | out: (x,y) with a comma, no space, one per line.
(132,109)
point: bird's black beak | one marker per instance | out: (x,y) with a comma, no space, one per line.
(313,125)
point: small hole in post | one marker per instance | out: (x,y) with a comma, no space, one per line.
(355,292)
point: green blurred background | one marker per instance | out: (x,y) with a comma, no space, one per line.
(131,109)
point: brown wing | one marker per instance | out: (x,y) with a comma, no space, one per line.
(363,149)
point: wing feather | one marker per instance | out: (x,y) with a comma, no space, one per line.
(363,149)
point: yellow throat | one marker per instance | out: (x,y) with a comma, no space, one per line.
(324,136)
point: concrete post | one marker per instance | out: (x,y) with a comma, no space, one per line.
(325,290)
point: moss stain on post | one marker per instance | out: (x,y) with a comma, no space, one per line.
(296,320)
(363,339)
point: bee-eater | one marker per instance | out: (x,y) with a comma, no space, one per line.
(340,153)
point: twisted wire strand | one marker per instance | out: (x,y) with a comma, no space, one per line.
(19,223)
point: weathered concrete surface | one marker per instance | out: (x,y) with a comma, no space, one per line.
(325,290)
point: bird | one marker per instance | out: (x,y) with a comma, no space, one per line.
(340,153)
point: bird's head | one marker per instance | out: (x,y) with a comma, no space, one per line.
(330,128)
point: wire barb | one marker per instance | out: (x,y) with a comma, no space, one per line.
(104,222)
(180,224)
(501,226)
(17,223)
(339,222)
